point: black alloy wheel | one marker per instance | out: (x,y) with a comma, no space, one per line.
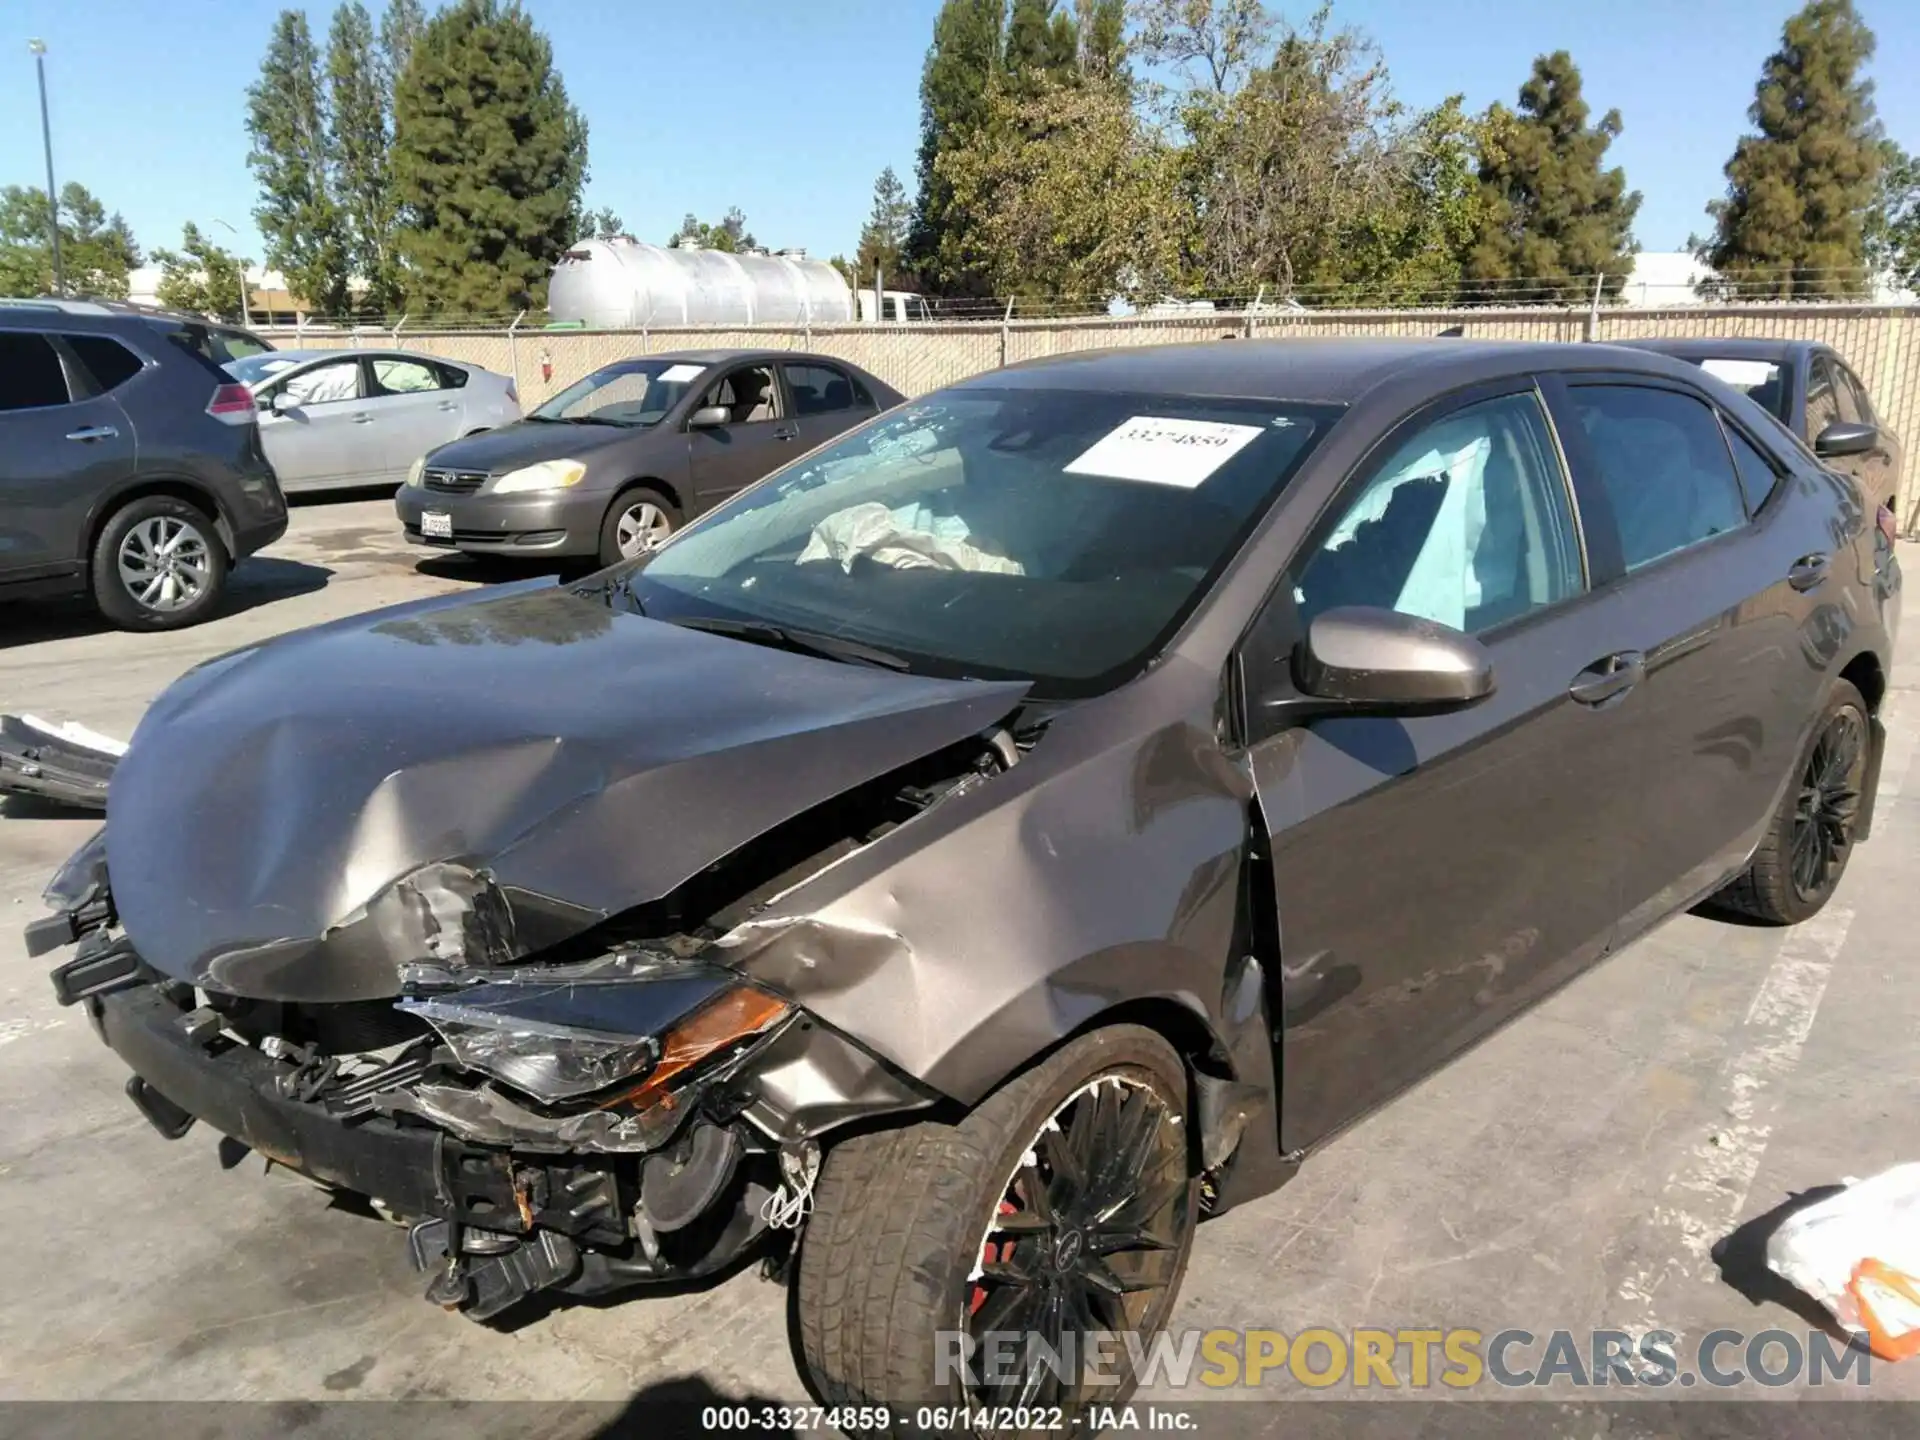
(1086,1238)
(1829,804)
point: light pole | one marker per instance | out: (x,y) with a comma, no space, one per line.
(243,268)
(38,49)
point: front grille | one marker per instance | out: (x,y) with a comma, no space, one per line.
(455,482)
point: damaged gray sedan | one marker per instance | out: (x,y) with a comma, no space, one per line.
(1001,839)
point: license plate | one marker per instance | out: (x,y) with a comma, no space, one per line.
(436,525)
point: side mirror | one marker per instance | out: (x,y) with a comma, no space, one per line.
(282,402)
(1358,660)
(1845,437)
(709,416)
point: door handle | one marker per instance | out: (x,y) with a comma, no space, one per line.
(363,418)
(94,432)
(1608,678)
(448,405)
(1808,572)
(785,434)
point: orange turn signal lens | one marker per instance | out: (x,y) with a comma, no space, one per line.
(735,1015)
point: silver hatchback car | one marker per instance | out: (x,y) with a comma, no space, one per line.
(334,418)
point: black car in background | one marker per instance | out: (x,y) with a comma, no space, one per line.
(615,463)
(1033,822)
(1807,387)
(130,463)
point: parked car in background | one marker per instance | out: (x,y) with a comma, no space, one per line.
(1030,824)
(130,465)
(337,418)
(616,462)
(1807,387)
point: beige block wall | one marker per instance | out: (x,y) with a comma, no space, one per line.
(1881,343)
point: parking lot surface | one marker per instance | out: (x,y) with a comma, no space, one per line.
(1576,1171)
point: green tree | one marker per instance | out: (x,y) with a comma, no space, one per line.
(1042,47)
(961,63)
(292,160)
(202,278)
(1068,196)
(489,160)
(883,239)
(1406,248)
(1102,28)
(1893,221)
(1793,221)
(1550,212)
(731,234)
(601,224)
(97,250)
(360,133)
(400,30)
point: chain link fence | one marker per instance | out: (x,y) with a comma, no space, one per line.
(1880,341)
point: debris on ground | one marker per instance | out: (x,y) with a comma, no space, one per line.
(1858,1254)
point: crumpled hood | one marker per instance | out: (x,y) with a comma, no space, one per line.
(476,779)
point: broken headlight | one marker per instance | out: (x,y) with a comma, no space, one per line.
(568,1039)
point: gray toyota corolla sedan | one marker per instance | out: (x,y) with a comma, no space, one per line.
(1018,831)
(615,463)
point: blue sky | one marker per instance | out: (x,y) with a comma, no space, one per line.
(789,110)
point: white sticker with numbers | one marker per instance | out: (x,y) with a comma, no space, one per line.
(1162,451)
(680,374)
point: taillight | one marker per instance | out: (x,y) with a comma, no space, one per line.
(1889,526)
(233,405)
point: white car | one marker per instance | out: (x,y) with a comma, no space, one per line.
(336,418)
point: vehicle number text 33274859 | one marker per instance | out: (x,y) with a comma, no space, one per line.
(852,1419)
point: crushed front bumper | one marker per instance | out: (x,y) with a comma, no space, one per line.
(495,1214)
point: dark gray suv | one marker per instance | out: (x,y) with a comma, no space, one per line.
(130,464)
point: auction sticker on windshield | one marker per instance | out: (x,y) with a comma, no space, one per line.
(680,374)
(1164,451)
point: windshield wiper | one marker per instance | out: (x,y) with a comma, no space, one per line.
(804,642)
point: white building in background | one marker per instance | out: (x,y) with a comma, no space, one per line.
(267,297)
(1661,278)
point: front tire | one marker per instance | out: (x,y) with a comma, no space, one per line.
(1800,860)
(639,520)
(1065,1203)
(158,565)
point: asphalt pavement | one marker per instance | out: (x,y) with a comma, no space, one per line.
(1577,1171)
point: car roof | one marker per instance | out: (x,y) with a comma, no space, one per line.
(1730,348)
(724,357)
(1337,371)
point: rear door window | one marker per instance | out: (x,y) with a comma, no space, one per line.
(404,377)
(30,373)
(818,389)
(109,362)
(1664,465)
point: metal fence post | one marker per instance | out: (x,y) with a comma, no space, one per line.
(1593,309)
(513,350)
(400,325)
(1006,336)
(1253,310)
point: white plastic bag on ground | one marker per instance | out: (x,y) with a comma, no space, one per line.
(1858,1254)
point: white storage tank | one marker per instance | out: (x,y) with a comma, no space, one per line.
(623,284)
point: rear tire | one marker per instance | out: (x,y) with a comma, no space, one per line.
(933,1229)
(1804,853)
(639,520)
(158,565)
